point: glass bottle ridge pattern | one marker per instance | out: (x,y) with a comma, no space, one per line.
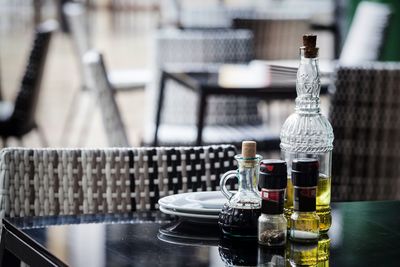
(306,133)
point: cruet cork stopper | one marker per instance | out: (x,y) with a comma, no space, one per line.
(310,45)
(249,149)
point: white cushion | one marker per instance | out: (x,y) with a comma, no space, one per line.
(129,79)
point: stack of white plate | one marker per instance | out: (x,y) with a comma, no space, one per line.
(196,206)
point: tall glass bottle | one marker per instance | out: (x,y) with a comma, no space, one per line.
(307,133)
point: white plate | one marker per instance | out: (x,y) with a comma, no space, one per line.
(189,215)
(209,203)
(208,200)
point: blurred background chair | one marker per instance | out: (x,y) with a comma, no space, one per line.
(367,33)
(18,119)
(365,118)
(96,81)
(211,14)
(228,119)
(197,50)
(101,181)
(275,38)
(78,19)
(219,16)
(1,96)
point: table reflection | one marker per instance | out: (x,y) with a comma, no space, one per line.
(249,253)
(245,252)
(362,234)
(87,240)
(271,256)
(238,252)
(302,254)
(324,244)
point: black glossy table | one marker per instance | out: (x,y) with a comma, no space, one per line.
(362,234)
(205,83)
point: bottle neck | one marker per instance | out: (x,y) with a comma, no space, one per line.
(308,85)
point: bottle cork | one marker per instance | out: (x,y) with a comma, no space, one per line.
(310,45)
(249,149)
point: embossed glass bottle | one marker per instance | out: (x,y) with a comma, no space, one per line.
(307,133)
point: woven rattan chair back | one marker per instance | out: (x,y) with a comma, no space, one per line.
(365,117)
(95,75)
(38,182)
(275,38)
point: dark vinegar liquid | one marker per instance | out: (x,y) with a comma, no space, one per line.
(237,222)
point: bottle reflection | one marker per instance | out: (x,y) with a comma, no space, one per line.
(309,254)
(244,253)
(324,243)
(303,254)
(238,252)
(271,257)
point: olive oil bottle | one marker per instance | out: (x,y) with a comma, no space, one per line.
(307,133)
(323,201)
(304,221)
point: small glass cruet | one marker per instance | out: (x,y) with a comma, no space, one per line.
(239,216)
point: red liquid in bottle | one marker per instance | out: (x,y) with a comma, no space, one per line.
(236,222)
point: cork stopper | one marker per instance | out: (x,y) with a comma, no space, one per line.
(310,45)
(249,149)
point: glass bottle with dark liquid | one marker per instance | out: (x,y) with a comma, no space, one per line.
(239,216)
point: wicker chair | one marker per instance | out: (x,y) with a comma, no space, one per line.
(96,81)
(39,182)
(365,117)
(18,119)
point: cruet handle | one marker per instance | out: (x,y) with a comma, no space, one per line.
(222,183)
